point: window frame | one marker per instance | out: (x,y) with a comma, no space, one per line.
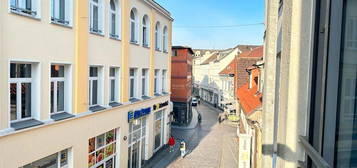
(90,85)
(117,85)
(156,81)
(164,79)
(145,31)
(117,14)
(99,5)
(134,78)
(135,39)
(157,36)
(34,12)
(68,13)
(165,39)
(145,85)
(55,81)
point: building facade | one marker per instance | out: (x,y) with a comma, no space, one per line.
(85,82)
(309,94)
(181,84)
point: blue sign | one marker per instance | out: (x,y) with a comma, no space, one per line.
(138,113)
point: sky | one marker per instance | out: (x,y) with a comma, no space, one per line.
(191,18)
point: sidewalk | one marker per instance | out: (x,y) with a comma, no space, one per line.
(193,123)
(163,157)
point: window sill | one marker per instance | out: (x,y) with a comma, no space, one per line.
(157,94)
(134,100)
(165,93)
(19,125)
(134,43)
(114,38)
(146,46)
(25,14)
(166,52)
(61,116)
(96,33)
(145,97)
(158,50)
(115,104)
(96,108)
(61,24)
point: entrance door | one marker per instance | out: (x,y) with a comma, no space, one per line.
(135,157)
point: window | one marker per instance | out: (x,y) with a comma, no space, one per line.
(137,142)
(133,26)
(114,84)
(132,83)
(174,53)
(163,81)
(57,88)
(61,11)
(156,81)
(93,86)
(20,91)
(146,31)
(157,36)
(159,130)
(96,21)
(114,16)
(164,39)
(144,82)
(102,150)
(25,7)
(57,160)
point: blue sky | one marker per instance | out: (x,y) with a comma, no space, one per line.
(215,13)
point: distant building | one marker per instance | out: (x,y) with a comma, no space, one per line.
(181,84)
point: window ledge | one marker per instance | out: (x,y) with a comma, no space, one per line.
(157,94)
(61,24)
(61,116)
(145,97)
(146,46)
(19,125)
(115,104)
(96,108)
(166,52)
(96,33)
(158,50)
(115,38)
(165,93)
(133,100)
(134,43)
(26,15)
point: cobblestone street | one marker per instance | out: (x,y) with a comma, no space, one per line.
(209,145)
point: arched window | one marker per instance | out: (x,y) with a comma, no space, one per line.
(164,39)
(145,31)
(114,19)
(133,26)
(96,16)
(157,36)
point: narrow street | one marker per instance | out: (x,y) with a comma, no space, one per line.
(210,144)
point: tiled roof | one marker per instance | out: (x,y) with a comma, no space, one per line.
(213,57)
(255,53)
(249,98)
(230,68)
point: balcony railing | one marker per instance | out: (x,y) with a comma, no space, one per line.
(313,154)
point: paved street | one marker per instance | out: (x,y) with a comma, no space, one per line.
(209,145)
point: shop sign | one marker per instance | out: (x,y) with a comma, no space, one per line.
(138,113)
(160,105)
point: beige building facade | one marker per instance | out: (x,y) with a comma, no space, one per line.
(84,83)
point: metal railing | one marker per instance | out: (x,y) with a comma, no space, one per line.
(313,154)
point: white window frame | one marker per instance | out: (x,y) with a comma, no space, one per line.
(136,25)
(55,81)
(157,81)
(135,90)
(18,82)
(69,160)
(55,12)
(146,84)
(117,13)
(162,129)
(164,39)
(157,37)
(116,83)
(146,33)
(19,7)
(99,5)
(99,86)
(115,155)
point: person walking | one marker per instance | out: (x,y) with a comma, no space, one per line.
(171,143)
(183,148)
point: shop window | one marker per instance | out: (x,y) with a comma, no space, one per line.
(159,130)
(57,160)
(102,150)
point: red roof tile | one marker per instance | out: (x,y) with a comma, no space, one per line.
(255,53)
(249,98)
(230,68)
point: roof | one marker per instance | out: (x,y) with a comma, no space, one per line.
(257,52)
(230,68)
(213,57)
(249,98)
(183,47)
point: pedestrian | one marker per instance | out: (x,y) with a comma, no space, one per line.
(219,119)
(171,143)
(183,148)
(199,118)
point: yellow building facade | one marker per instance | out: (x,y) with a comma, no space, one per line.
(85,83)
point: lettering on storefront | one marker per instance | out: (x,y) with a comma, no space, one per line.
(132,115)
(160,105)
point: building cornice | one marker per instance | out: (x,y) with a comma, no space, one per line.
(159,8)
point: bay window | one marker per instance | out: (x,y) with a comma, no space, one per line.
(133,26)
(113,19)
(145,30)
(164,39)
(20,91)
(144,82)
(157,36)
(96,15)
(132,83)
(61,11)
(57,88)
(26,7)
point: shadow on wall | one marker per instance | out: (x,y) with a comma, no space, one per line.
(205,82)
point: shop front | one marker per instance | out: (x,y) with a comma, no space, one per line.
(137,145)
(159,125)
